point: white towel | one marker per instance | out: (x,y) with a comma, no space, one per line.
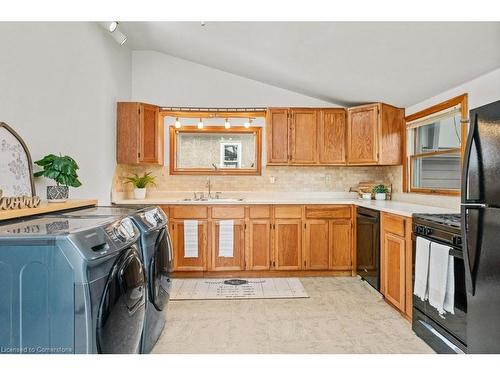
(449,298)
(190,238)
(226,238)
(421,268)
(438,275)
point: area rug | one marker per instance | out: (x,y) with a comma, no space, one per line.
(247,288)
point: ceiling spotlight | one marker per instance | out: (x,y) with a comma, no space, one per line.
(112,26)
(200,124)
(227,125)
(177,123)
(248,123)
(119,37)
(203,23)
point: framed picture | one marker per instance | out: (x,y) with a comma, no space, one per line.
(16,167)
(230,155)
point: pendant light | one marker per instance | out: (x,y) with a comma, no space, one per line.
(177,123)
(200,124)
(227,124)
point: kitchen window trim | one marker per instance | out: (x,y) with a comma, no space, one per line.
(460,101)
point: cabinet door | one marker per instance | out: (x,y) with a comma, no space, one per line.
(287,244)
(341,240)
(303,136)
(277,135)
(332,132)
(317,245)
(362,135)
(393,262)
(181,262)
(226,262)
(150,140)
(259,245)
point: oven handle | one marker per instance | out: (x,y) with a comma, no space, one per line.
(454,251)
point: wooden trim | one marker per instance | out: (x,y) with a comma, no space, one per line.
(461,100)
(433,153)
(260,273)
(212,114)
(216,129)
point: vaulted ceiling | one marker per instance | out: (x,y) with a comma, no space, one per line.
(345,63)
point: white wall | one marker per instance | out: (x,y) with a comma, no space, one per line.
(482,90)
(59,84)
(169,81)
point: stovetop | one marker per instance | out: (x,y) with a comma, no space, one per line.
(451,220)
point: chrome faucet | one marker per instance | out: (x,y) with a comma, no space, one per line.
(208,184)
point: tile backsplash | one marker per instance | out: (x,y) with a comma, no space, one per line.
(300,179)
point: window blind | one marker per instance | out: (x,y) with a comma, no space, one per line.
(435,117)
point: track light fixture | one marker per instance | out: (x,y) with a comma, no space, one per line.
(115,32)
(177,123)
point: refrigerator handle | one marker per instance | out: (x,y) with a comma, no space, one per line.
(471,140)
(465,246)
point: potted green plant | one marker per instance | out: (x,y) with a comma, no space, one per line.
(380,192)
(61,169)
(140,183)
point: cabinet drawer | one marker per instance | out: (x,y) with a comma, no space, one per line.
(189,212)
(288,212)
(328,212)
(260,212)
(228,212)
(394,224)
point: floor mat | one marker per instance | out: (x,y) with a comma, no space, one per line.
(250,288)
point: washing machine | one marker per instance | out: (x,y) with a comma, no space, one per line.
(71,285)
(156,248)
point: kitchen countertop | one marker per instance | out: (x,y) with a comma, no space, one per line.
(395,207)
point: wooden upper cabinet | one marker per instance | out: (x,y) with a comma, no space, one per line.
(277,135)
(363,133)
(375,134)
(332,136)
(140,137)
(303,134)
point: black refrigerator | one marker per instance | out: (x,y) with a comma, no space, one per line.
(480,212)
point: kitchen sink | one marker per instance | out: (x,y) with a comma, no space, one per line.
(212,200)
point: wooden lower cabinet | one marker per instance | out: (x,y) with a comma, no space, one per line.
(396,261)
(287,244)
(394,270)
(328,245)
(181,262)
(259,245)
(236,262)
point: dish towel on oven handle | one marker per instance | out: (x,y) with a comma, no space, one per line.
(422,253)
(441,279)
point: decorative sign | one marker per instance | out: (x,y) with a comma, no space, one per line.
(14,203)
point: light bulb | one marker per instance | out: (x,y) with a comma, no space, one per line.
(227,125)
(177,123)
(200,124)
(112,26)
(248,123)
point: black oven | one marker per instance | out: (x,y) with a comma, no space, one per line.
(445,333)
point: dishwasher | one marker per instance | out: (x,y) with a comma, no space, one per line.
(368,245)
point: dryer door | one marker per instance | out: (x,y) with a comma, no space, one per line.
(159,271)
(121,313)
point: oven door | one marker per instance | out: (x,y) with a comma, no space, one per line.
(449,330)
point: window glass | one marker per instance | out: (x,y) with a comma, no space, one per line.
(443,134)
(439,171)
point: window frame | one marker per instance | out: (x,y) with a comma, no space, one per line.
(408,187)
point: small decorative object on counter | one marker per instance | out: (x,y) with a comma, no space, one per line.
(61,169)
(380,192)
(366,196)
(140,183)
(15,203)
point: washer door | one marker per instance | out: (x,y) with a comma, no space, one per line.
(159,271)
(121,314)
